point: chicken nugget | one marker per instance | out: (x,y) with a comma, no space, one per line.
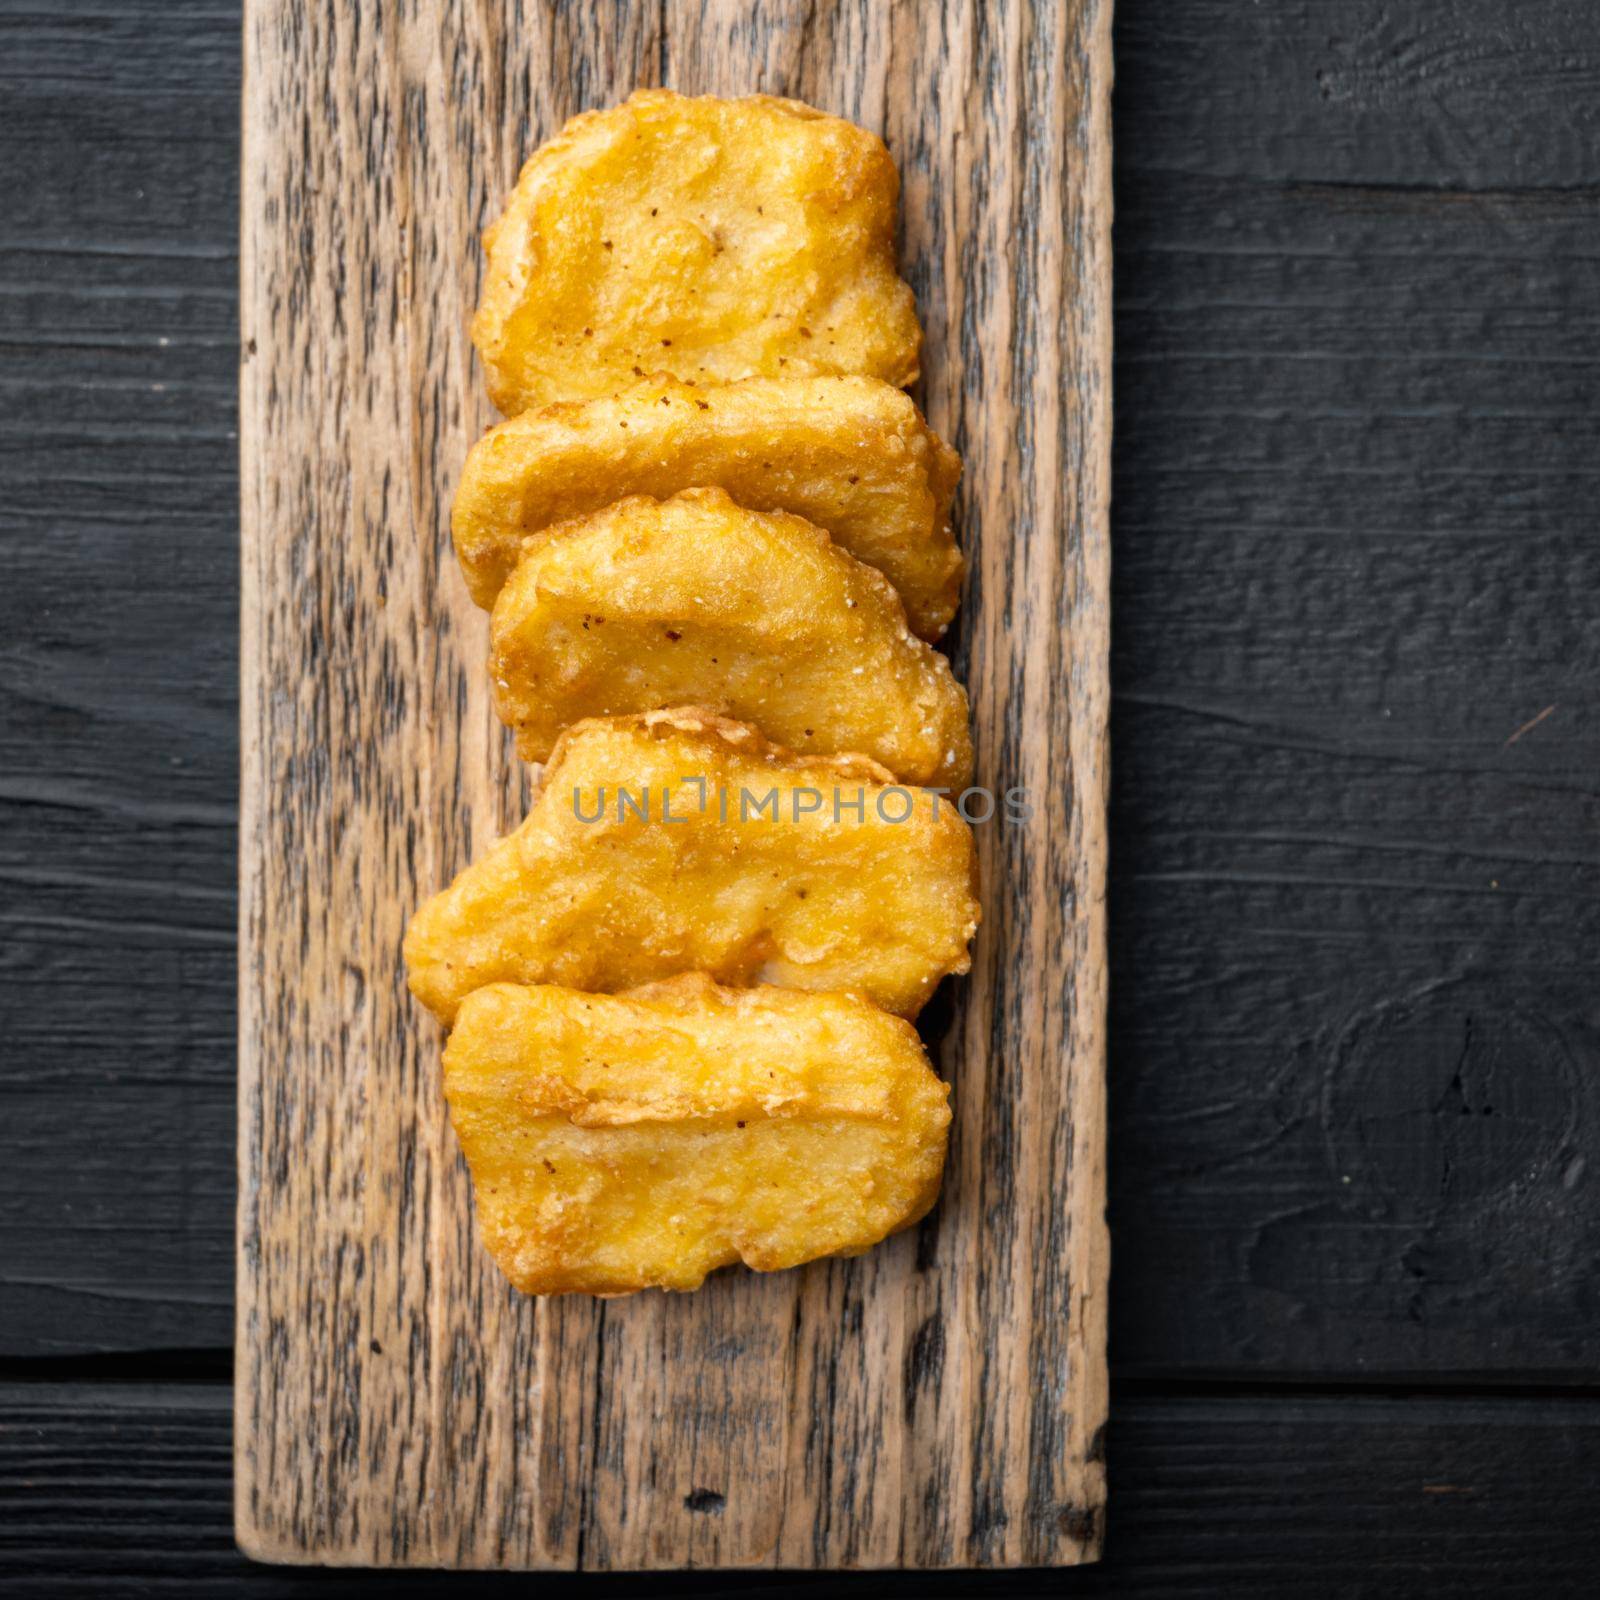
(852,455)
(678,841)
(696,601)
(637,1141)
(711,239)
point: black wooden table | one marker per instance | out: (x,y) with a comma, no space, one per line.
(1355,1054)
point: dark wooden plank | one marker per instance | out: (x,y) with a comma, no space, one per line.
(1420,95)
(127,1486)
(1357,272)
(118,685)
(1353,912)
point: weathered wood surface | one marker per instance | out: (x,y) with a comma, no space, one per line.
(1335,215)
(118,704)
(936,1403)
(1355,883)
(1354,248)
(123,1488)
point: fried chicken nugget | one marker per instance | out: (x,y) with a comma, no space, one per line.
(852,455)
(637,1141)
(813,872)
(711,239)
(697,601)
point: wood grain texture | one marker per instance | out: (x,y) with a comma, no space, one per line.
(1355,1028)
(118,698)
(1333,216)
(123,1488)
(1355,371)
(935,1403)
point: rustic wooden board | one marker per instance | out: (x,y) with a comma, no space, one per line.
(938,1402)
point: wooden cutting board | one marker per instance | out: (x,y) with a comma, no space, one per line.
(937,1402)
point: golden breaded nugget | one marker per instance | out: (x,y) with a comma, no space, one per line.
(852,455)
(760,866)
(697,601)
(638,1141)
(712,239)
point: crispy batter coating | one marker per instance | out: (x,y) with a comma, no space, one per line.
(852,455)
(776,880)
(623,1142)
(712,239)
(697,601)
